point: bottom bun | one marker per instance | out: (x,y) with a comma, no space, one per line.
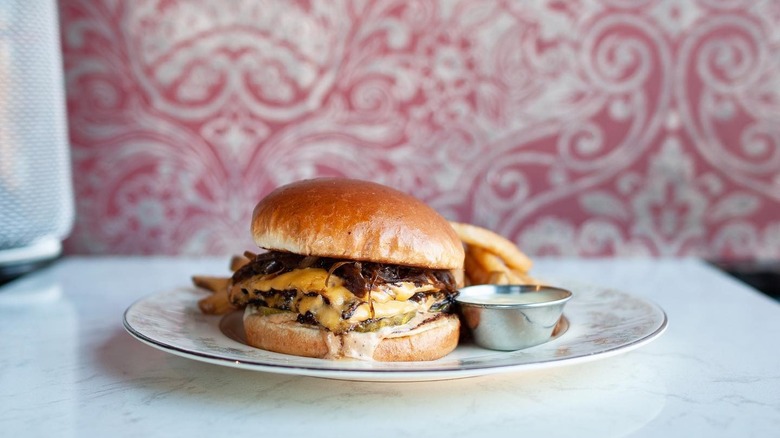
(281,333)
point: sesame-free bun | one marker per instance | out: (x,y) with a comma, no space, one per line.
(355,220)
(281,334)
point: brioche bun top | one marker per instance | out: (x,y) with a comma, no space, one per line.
(355,220)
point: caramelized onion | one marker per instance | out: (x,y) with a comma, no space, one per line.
(332,269)
(307,262)
(358,277)
(374,276)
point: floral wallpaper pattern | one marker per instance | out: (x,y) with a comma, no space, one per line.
(585,127)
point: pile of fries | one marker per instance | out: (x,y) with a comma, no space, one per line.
(490,259)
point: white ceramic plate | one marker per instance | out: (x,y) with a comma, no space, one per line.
(601,323)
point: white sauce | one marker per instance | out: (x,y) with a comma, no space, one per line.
(525,298)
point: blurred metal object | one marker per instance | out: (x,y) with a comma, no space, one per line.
(511,317)
(36,191)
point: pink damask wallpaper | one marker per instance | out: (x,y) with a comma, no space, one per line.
(590,128)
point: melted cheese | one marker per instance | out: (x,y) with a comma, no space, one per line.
(327,303)
(404,291)
(305,280)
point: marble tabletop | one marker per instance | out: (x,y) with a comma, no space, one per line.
(68,368)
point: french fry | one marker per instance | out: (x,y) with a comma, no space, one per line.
(216,303)
(500,272)
(524,278)
(491,258)
(514,278)
(238,261)
(488,260)
(475,272)
(498,277)
(495,243)
(213,284)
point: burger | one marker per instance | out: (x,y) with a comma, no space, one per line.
(353,269)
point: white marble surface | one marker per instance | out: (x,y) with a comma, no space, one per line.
(67,368)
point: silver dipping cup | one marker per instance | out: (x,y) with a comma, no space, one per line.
(511,317)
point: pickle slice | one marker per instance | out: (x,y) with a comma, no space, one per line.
(265,311)
(372,325)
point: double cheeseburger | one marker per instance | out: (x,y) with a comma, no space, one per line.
(352,269)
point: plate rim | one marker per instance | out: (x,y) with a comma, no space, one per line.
(390,374)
